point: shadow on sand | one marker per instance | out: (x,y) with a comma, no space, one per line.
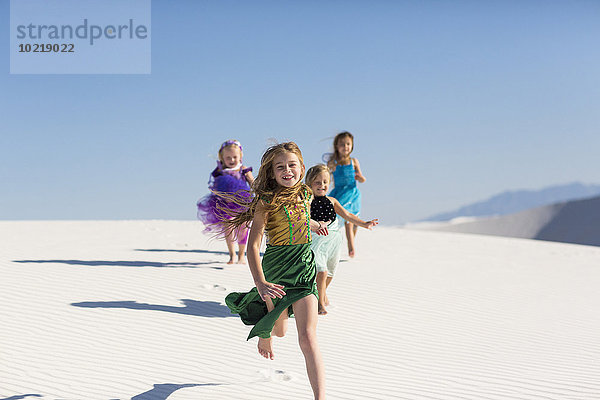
(221,253)
(21,396)
(209,309)
(153,264)
(164,390)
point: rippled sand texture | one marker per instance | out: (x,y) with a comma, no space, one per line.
(134,310)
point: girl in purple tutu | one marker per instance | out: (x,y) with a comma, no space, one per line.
(229,177)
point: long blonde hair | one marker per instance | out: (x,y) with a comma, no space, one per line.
(266,189)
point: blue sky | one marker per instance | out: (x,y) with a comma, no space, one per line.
(450,102)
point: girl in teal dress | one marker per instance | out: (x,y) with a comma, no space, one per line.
(346,171)
(285,280)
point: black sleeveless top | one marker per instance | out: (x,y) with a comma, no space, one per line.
(321,209)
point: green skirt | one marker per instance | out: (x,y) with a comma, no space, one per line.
(291,266)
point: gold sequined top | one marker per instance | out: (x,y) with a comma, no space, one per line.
(289,225)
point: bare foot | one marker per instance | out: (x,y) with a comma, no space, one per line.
(265,347)
(322,310)
(241,260)
(351,250)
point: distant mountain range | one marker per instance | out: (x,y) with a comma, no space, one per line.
(576,221)
(511,202)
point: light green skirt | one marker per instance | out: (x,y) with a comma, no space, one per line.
(291,266)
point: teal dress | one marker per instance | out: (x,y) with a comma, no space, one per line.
(288,261)
(345,190)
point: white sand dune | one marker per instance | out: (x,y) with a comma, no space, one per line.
(576,221)
(134,310)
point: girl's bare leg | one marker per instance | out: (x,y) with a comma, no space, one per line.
(241,254)
(242,232)
(329,278)
(265,346)
(350,236)
(230,239)
(305,311)
(321,286)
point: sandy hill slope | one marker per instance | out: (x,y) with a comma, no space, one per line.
(134,310)
(576,221)
(514,201)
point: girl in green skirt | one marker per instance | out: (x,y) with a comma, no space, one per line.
(285,280)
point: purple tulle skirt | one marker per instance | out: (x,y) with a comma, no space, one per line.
(211,216)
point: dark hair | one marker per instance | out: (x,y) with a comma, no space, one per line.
(335,156)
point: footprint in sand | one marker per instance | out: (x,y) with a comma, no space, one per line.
(275,375)
(214,287)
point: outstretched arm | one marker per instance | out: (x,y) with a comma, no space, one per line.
(351,217)
(358,173)
(265,289)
